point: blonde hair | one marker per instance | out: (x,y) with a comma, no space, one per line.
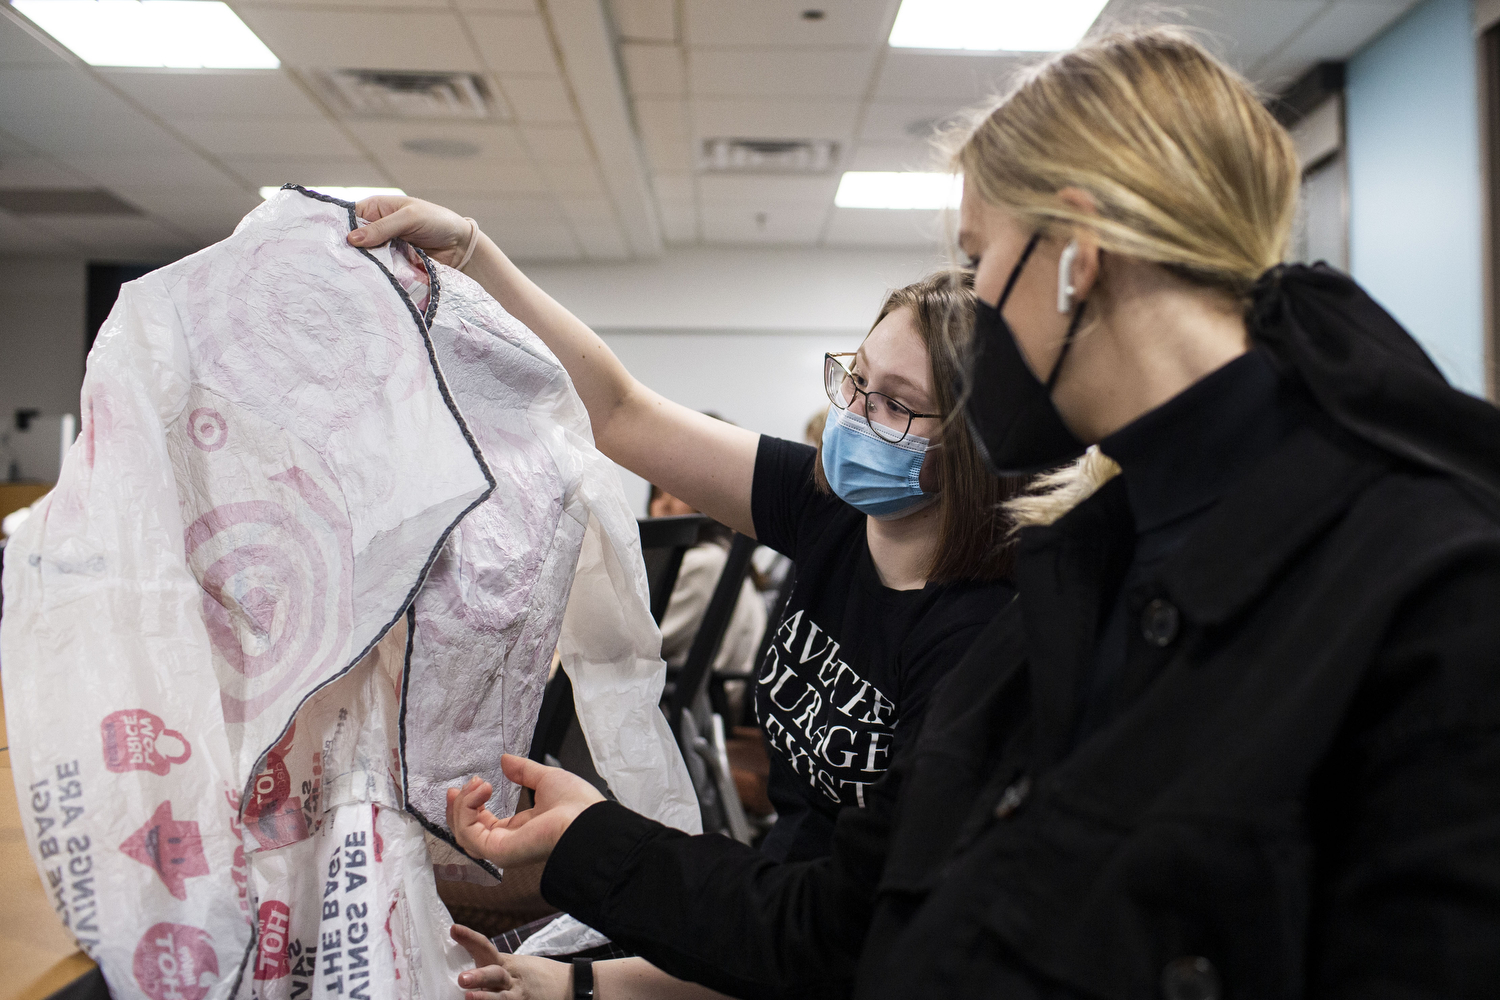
(1186,168)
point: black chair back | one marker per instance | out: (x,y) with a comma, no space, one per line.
(716,618)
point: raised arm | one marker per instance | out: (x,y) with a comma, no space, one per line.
(705,462)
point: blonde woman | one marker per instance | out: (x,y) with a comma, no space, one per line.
(1239,736)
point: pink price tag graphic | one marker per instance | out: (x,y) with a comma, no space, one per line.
(137,740)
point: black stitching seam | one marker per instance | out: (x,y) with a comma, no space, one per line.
(423,323)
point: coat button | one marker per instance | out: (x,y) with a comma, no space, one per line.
(1159,622)
(1013,796)
(1191,977)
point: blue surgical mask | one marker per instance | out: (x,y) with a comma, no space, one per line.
(871,475)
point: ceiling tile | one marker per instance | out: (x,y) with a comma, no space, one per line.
(525,228)
(558,144)
(501,6)
(645,20)
(501,212)
(513,44)
(953,79)
(416,176)
(35,236)
(761,189)
(148,170)
(675,187)
(587,209)
(384,138)
(790,225)
(802,72)
(268,137)
(173,94)
(23,170)
(769,118)
(878,227)
(894,156)
(863,23)
(1242,32)
(1341,31)
(63,110)
(907,121)
(542,243)
(679,221)
(264,171)
(538,98)
(125,239)
(654,70)
(211,216)
(601,241)
(18,47)
(666,134)
(372,39)
(573,179)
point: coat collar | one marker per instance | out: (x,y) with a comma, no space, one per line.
(1068,572)
(1283,503)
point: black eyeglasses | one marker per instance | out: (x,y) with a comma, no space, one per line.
(889,419)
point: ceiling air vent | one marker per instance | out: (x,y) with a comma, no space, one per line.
(768,156)
(63,201)
(375,93)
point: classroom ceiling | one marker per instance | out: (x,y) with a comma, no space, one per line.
(592,147)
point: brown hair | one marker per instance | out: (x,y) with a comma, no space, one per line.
(973,542)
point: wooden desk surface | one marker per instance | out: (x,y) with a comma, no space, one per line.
(37,957)
(14,496)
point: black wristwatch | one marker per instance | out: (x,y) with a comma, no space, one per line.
(583,979)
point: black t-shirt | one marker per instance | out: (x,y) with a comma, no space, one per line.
(852,662)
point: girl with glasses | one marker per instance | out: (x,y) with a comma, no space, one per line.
(894,526)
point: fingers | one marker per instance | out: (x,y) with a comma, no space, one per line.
(522,771)
(480,948)
(385,228)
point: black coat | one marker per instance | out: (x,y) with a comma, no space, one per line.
(1298,796)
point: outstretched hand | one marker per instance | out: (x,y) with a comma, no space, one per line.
(530,835)
(443,233)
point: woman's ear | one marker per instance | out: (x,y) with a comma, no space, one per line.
(1085,262)
(931,475)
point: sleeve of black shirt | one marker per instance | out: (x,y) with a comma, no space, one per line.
(783,494)
(714,911)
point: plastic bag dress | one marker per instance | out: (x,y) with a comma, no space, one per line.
(330,512)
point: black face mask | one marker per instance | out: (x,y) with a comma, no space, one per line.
(1010,411)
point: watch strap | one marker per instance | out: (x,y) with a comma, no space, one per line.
(583,979)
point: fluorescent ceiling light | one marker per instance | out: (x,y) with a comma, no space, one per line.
(341,193)
(994,25)
(889,189)
(169,34)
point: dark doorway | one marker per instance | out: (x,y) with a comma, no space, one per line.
(104,283)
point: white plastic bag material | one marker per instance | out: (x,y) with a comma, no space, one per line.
(328,516)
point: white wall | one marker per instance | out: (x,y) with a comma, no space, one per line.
(766,382)
(739,332)
(41,337)
(704,289)
(1414,183)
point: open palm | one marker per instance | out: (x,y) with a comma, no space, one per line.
(529,835)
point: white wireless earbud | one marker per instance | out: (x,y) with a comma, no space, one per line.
(1065,277)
